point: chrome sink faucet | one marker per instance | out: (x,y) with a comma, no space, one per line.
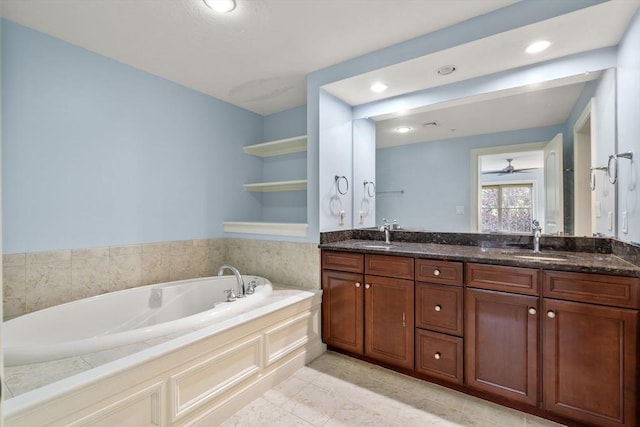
(386,228)
(241,291)
(537,233)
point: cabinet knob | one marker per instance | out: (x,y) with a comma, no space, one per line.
(532,310)
(367,286)
(436,272)
(551,314)
(437,307)
(437,356)
(357,284)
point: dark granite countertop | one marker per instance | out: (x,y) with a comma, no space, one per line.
(587,262)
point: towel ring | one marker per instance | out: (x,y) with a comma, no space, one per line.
(364,207)
(368,186)
(338,179)
(335,205)
(613,176)
(592,178)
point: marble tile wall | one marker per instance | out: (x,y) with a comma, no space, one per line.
(33,281)
(286,263)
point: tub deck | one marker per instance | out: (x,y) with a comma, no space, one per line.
(262,337)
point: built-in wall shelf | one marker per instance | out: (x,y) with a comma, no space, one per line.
(299,184)
(279,147)
(272,228)
(267,149)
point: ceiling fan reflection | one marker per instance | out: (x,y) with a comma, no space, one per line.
(509,169)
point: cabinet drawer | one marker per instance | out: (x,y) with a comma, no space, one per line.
(443,272)
(439,308)
(389,266)
(343,261)
(500,278)
(594,288)
(439,355)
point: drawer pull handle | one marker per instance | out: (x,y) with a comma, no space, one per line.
(437,307)
(436,272)
(367,286)
(437,356)
(357,284)
(532,310)
(551,314)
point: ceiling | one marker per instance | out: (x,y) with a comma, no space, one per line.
(530,107)
(586,29)
(256,57)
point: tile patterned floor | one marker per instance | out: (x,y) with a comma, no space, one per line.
(335,390)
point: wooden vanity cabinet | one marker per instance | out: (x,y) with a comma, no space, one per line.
(367,305)
(501,331)
(343,300)
(590,358)
(439,319)
(564,342)
(342,310)
(388,313)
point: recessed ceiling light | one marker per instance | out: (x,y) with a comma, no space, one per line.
(538,46)
(403,129)
(222,6)
(378,87)
(446,70)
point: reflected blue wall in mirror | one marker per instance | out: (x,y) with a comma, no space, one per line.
(436,176)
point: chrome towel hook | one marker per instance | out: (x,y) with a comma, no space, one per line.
(339,179)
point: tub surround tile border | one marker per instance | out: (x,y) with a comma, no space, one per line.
(291,264)
(14,260)
(48,280)
(14,290)
(33,281)
(48,257)
(89,276)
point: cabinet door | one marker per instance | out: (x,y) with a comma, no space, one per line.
(389,320)
(590,362)
(342,315)
(501,344)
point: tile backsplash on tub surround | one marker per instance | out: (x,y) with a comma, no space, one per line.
(286,263)
(33,281)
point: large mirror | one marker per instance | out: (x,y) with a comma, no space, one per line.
(496,161)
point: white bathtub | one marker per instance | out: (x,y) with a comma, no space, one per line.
(124,317)
(197,377)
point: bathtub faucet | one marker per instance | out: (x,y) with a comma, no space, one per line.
(241,292)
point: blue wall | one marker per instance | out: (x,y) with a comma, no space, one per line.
(436,177)
(628,79)
(97,153)
(289,206)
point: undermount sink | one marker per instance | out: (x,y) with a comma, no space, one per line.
(376,246)
(546,257)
